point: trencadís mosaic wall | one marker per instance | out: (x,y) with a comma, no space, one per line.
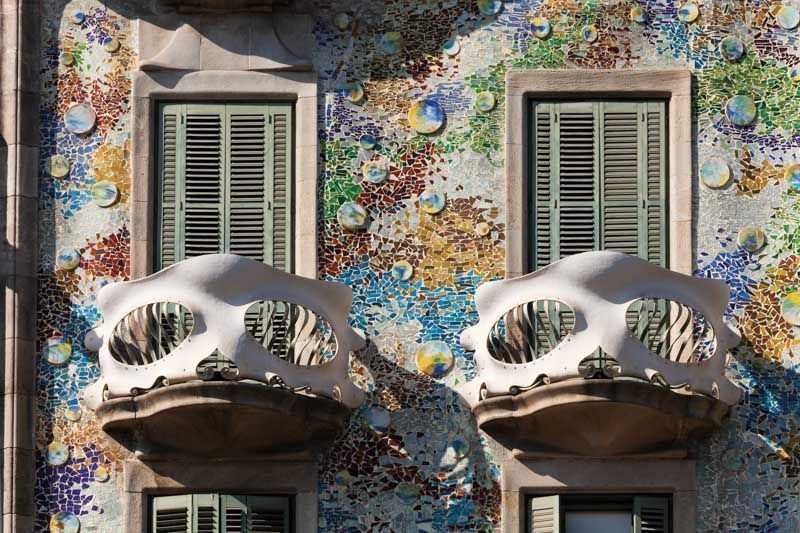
(425,185)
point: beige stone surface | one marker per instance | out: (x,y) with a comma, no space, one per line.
(19,137)
(237,42)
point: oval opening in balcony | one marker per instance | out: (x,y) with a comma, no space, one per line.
(292,332)
(671,330)
(150,333)
(530,331)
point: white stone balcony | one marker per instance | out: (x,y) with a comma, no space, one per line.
(266,350)
(600,353)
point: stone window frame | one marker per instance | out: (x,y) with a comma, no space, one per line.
(672,85)
(297,479)
(151,88)
(522,477)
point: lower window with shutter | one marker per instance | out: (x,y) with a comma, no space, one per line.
(220,513)
(600,514)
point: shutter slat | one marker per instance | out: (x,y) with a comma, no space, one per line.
(205,512)
(268,514)
(633,181)
(171,514)
(651,514)
(620,204)
(280,171)
(168,174)
(542,204)
(247,181)
(234,509)
(206,520)
(576,180)
(256,514)
(204,164)
(545,515)
(655,190)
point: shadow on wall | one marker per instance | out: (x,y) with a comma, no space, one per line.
(282,39)
(428,459)
(411,460)
(757,449)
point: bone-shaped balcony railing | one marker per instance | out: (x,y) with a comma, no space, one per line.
(227,317)
(601,314)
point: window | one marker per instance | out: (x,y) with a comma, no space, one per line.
(600,514)
(598,179)
(220,513)
(224,182)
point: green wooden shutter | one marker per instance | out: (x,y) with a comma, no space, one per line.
(203,180)
(575,182)
(246,206)
(655,190)
(565,203)
(279,174)
(544,200)
(599,180)
(620,177)
(225,174)
(651,514)
(172,514)
(632,179)
(545,515)
(259,195)
(215,513)
(167,201)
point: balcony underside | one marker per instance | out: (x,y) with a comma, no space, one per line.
(599,418)
(224,6)
(221,419)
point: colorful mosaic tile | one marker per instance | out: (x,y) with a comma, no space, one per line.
(411,458)
(715,173)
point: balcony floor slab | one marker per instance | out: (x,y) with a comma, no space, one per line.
(222,419)
(599,418)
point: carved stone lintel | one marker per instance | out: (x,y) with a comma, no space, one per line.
(255,41)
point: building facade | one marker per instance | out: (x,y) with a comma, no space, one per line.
(415,152)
